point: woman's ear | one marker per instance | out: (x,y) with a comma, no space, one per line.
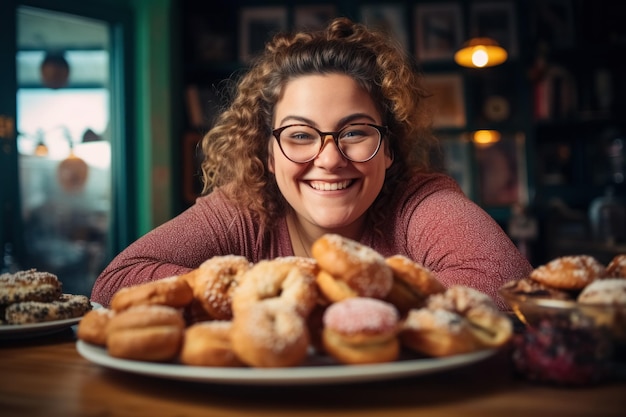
(388,157)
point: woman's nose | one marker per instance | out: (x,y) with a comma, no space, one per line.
(330,156)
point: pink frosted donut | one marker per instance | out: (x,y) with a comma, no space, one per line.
(361,330)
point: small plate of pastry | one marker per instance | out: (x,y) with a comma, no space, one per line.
(32,303)
(347,314)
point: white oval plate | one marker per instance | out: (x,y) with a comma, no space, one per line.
(16,331)
(317,370)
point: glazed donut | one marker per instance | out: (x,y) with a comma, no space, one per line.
(214,283)
(361,330)
(412,283)
(350,269)
(146,333)
(67,306)
(29,285)
(270,334)
(92,328)
(172,291)
(569,272)
(617,267)
(208,344)
(437,332)
(491,327)
(276,279)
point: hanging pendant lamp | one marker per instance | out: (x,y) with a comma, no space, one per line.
(480,53)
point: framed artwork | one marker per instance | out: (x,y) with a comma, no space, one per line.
(456,159)
(501,168)
(313,17)
(496,20)
(390,18)
(438,31)
(257,26)
(552,21)
(448,99)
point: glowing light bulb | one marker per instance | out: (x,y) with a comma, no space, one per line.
(480,58)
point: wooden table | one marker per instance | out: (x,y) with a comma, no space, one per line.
(47,377)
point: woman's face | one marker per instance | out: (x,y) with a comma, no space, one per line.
(329,192)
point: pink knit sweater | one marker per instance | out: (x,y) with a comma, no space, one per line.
(432,223)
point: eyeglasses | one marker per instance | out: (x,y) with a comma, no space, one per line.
(356,142)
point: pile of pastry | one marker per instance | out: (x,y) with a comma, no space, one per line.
(33,296)
(348,302)
(580,278)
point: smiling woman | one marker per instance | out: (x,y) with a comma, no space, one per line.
(328,132)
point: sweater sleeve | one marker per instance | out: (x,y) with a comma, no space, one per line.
(211,227)
(460,242)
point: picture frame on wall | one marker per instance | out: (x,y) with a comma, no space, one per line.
(501,171)
(496,20)
(448,97)
(438,31)
(257,26)
(390,18)
(313,17)
(456,159)
(552,21)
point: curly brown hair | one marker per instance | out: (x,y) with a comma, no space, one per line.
(237,148)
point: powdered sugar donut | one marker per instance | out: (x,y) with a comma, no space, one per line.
(213,284)
(569,272)
(412,283)
(208,344)
(350,269)
(490,326)
(437,332)
(361,330)
(92,328)
(146,332)
(270,334)
(277,279)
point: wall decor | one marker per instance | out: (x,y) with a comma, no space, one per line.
(496,20)
(448,99)
(501,171)
(457,159)
(313,17)
(391,18)
(257,26)
(438,30)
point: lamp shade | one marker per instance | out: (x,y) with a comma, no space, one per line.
(480,53)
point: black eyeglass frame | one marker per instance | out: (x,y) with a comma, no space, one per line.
(382,132)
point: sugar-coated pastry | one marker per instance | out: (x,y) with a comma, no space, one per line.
(412,283)
(532,288)
(617,267)
(146,333)
(208,344)
(437,332)
(361,330)
(277,279)
(490,326)
(172,291)
(609,291)
(29,285)
(270,334)
(569,272)
(213,284)
(350,269)
(92,328)
(67,306)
